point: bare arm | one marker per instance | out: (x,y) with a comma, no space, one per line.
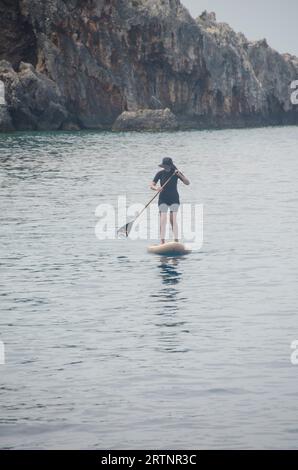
(154,186)
(183,178)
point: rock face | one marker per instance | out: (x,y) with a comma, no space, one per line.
(34,101)
(5,120)
(17,38)
(146,120)
(250,81)
(91,60)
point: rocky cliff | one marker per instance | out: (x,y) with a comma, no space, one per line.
(81,63)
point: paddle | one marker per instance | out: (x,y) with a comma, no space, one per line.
(125,230)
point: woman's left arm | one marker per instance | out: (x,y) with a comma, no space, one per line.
(182,177)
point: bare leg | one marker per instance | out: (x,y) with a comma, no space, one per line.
(174,225)
(163,226)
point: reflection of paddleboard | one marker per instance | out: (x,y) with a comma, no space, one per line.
(169,249)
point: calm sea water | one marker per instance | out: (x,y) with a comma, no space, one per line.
(110,347)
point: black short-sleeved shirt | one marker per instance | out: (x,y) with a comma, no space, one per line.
(170,193)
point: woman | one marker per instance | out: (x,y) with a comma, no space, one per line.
(169,197)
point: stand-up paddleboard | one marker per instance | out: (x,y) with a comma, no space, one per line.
(169,249)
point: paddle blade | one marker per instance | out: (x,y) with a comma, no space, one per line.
(125,230)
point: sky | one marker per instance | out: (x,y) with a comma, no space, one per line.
(275,20)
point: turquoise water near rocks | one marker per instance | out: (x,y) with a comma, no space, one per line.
(110,347)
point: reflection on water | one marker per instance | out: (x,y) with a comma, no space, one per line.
(170,276)
(169,269)
(170,309)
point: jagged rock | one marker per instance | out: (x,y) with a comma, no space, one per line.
(5,120)
(94,59)
(252,80)
(209,17)
(146,120)
(33,100)
(275,73)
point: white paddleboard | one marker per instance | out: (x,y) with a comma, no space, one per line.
(169,249)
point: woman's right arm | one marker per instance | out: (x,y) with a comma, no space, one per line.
(182,177)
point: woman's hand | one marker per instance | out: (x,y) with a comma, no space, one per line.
(155,188)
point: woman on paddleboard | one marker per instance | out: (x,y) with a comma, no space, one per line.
(169,197)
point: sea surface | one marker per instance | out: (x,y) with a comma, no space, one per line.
(109,347)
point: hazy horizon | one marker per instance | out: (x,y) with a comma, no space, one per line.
(275,20)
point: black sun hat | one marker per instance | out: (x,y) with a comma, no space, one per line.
(167,163)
